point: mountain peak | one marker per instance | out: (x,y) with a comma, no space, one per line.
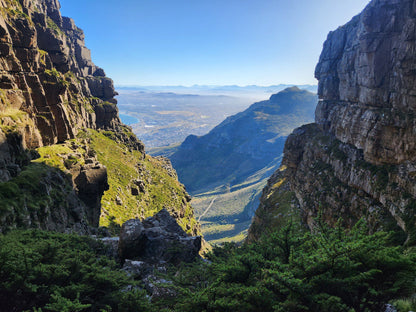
(292,89)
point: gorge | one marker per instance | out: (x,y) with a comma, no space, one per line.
(90,222)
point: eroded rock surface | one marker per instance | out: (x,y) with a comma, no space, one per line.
(359,159)
(157,239)
(49,87)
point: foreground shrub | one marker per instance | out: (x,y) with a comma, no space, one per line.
(45,271)
(290,270)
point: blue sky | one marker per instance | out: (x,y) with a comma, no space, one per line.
(214,42)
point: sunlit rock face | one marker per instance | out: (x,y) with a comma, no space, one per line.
(359,158)
(367,82)
(49,87)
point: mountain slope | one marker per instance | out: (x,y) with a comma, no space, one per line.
(358,159)
(67,163)
(226,169)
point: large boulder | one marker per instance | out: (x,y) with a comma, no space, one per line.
(157,239)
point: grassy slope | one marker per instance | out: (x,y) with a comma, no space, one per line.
(230,214)
(123,167)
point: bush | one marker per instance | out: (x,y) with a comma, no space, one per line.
(46,271)
(331,270)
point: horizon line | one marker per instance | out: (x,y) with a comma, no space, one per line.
(213,85)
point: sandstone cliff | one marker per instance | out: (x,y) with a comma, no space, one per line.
(359,158)
(66,161)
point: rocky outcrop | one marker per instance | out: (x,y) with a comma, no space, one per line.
(158,239)
(358,160)
(49,87)
(147,249)
(13,156)
(55,100)
(42,197)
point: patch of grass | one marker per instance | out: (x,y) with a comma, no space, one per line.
(57,155)
(278,210)
(230,214)
(123,167)
(15,114)
(14,9)
(42,58)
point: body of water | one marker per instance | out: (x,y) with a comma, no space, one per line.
(128,120)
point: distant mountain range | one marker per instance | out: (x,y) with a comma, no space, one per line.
(218,89)
(226,169)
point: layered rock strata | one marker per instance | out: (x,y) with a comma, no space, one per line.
(358,159)
(49,87)
(51,95)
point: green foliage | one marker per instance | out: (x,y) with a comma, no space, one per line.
(330,270)
(55,28)
(45,271)
(405,305)
(27,195)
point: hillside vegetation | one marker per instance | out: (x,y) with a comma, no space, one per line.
(226,169)
(288,270)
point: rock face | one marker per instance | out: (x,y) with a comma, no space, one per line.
(359,159)
(157,239)
(52,97)
(49,87)
(367,81)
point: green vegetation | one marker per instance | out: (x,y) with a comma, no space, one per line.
(124,166)
(14,9)
(27,195)
(279,210)
(45,271)
(42,57)
(56,155)
(331,270)
(20,119)
(288,270)
(405,305)
(55,28)
(229,216)
(56,77)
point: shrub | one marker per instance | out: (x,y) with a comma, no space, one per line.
(61,272)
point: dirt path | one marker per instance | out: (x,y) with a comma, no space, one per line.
(208,208)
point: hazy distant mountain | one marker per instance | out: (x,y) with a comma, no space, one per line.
(238,156)
(219,89)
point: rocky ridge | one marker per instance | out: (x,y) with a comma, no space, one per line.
(358,159)
(58,115)
(50,89)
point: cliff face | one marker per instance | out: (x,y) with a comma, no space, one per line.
(49,86)
(358,159)
(66,161)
